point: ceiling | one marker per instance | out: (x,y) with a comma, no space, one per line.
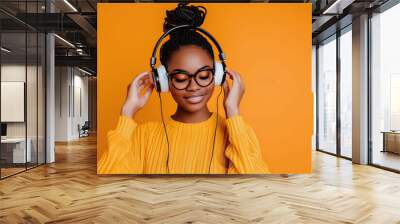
(76,22)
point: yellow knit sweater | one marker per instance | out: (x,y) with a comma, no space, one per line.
(143,149)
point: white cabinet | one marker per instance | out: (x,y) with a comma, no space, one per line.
(17,146)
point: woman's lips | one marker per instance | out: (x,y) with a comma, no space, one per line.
(194,99)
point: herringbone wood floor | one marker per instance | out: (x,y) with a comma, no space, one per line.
(69,191)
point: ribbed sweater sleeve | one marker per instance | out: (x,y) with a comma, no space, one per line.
(125,149)
(243,151)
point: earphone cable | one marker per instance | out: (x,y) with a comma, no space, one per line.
(215,133)
(165,130)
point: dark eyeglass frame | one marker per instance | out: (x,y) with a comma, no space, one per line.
(191,76)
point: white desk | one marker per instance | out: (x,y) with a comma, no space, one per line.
(18,150)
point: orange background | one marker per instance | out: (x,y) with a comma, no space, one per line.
(268,44)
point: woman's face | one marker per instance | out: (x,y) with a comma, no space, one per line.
(191,59)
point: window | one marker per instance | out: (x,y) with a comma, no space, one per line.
(327,95)
(346,93)
(385,88)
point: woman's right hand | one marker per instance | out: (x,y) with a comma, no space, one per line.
(135,100)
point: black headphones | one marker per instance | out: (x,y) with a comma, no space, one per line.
(160,76)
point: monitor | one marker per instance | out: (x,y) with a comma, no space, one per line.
(3,129)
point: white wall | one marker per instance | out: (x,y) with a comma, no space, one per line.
(33,127)
(62,78)
(12,73)
(81,102)
(71,102)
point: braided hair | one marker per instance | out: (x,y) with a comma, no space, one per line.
(184,14)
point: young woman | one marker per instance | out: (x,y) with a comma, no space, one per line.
(194,144)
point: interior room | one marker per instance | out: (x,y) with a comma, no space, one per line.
(49,95)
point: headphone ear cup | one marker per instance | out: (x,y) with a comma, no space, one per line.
(162,78)
(219,73)
(155,80)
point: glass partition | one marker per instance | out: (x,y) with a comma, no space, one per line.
(22,88)
(14,153)
(385,89)
(327,95)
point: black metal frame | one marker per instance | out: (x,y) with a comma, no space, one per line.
(380,9)
(338,98)
(389,4)
(26,89)
(44,70)
(0,90)
(338,153)
(316,98)
(369,91)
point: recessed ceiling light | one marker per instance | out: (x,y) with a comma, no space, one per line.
(84,71)
(5,50)
(70,5)
(338,6)
(64,40)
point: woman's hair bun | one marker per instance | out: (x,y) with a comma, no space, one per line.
(184,14)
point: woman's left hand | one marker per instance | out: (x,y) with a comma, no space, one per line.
(233,94)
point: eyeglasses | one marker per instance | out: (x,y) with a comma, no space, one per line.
(181,79)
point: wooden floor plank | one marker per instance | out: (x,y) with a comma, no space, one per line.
(69,191)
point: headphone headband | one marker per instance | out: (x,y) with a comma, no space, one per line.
(174,29)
